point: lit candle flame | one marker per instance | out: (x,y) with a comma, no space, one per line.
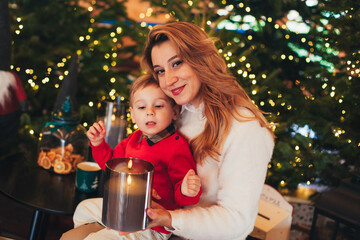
(130,163)
(128,180)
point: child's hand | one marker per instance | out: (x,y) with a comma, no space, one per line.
(191,184)
(96,133)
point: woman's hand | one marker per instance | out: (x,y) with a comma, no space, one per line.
(159,216)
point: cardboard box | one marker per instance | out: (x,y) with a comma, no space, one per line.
(274,216)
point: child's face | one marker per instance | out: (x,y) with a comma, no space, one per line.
(151,110)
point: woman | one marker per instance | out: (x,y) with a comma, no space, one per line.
(231,140)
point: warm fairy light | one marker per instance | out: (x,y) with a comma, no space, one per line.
(282,183)
(112,92)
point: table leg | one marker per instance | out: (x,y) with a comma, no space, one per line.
(38,225)
(313,225)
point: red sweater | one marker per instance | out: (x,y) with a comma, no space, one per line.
(171,158)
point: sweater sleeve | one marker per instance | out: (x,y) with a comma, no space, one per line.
(104,152)
(241,175)
(181,162)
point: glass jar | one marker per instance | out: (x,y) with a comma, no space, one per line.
(63,141)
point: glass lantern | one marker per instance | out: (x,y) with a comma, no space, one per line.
(114,116)
(63,141)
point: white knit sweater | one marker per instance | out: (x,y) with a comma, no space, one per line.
(231,187)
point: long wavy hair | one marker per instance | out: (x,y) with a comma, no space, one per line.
(220,91)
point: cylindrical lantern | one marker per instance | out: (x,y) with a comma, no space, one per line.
(113,114)
(127,194)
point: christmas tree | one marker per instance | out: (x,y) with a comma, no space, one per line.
(298,61)
(47,35)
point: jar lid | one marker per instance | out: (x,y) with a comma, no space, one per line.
(65,114)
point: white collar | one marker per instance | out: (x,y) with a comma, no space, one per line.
(191,108)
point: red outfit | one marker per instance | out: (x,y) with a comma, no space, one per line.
(17,94)
(171,158)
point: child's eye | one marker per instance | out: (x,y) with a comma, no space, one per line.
(141,107)
(159,106)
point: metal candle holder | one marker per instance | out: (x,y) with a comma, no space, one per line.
(127,194)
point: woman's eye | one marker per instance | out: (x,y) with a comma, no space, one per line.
(158,72)
(177,63)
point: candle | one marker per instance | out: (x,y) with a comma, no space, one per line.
(127,194)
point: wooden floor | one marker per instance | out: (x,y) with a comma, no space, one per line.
(15,221)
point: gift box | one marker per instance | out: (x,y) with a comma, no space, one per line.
(274,216)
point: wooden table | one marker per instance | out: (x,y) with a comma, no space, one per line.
(341,204)
(46,192)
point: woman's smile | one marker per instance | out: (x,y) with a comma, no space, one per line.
(177,91)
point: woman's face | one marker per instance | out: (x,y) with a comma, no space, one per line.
(177,78)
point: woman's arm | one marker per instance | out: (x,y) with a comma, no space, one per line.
(240,179)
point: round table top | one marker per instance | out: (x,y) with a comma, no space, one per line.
(22,180)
